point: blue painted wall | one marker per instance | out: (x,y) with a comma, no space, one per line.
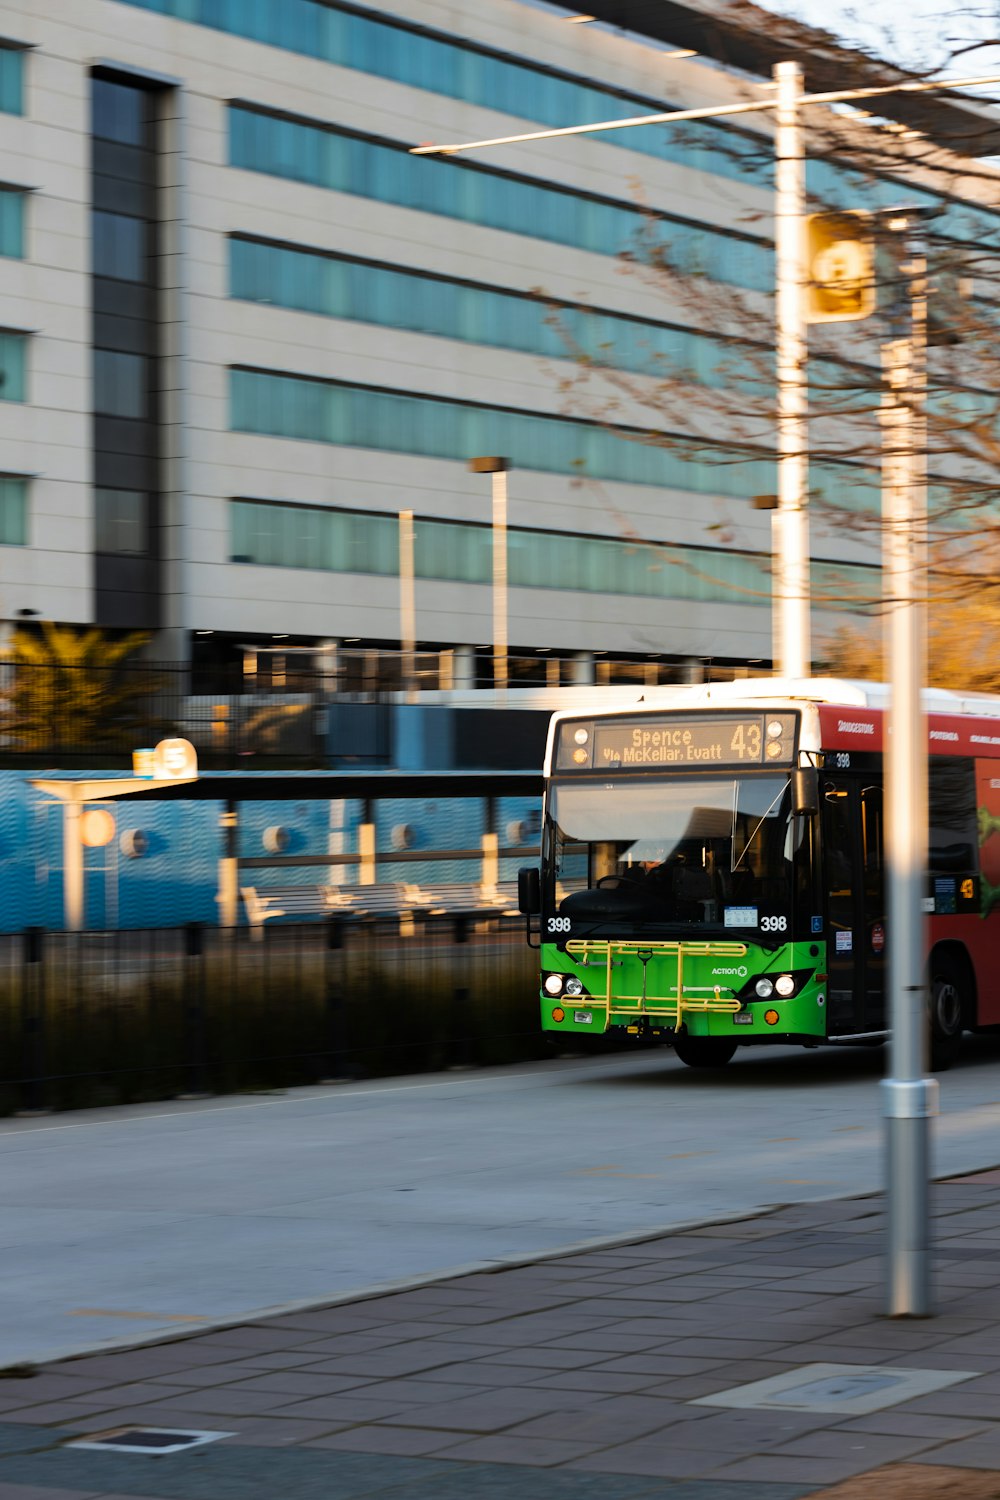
(175,880)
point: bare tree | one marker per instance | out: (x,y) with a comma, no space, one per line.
(856,160)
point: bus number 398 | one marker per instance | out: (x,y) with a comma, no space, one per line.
(559,924)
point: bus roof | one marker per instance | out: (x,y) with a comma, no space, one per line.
(836,691)
(844,715)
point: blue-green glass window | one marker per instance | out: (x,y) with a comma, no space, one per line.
(306,281)
(13,511)
(13,350)
(12,222)
(120,384)
(446,66)
(119,246)
(121,521)
(11,81)
(360,417)
(839,186)
(332,158)
(848,486)
(293,536)
(120,112)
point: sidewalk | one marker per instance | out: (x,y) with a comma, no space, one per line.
(577,1378)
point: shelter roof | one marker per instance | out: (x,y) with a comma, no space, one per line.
(301,786)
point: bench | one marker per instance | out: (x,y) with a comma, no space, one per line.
(321,900)
(463,896)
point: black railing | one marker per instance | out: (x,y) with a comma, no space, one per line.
(99,1018)
(85,715)
(272,710)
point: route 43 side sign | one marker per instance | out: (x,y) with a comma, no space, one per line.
(172,760)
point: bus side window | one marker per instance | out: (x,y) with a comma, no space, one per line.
(952,834)
(871,827)
(871,833)
(837,840)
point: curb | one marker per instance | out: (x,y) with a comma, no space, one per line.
(408,1284)
(377,1289)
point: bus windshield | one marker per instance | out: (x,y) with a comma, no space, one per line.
(720,851)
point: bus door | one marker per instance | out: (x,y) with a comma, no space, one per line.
(855,904)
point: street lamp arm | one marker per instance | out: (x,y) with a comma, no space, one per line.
(712,112)
(547,135)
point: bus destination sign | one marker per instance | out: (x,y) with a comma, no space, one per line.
(747,740)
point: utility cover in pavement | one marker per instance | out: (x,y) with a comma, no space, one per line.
(850,1389)
(146,1440)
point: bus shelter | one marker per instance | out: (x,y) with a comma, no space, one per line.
(232,789)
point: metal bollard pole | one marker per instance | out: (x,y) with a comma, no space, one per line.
(908,1097)
(334,1064)
(33,1022)
(194,992)
(461,1042)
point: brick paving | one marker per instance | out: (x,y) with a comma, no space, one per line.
(574,1378)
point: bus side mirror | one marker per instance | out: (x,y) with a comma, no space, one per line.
(529,891)
(805,791)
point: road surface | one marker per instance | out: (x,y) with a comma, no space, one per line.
(121,1224)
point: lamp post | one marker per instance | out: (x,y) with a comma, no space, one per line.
(498,467)
(407,604)
(790,521)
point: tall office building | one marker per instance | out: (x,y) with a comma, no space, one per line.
(242,329)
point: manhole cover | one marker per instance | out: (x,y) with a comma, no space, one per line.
(851,1389)
(146,1440)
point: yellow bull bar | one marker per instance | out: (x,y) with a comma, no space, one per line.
(698,999)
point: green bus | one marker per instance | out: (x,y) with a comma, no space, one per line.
(712,871)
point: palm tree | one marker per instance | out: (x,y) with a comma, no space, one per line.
(75,689)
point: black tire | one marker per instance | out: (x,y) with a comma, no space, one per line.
(704,1051)
(947,1018)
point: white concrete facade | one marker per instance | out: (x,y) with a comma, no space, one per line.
(203,200)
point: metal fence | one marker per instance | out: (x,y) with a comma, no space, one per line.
(95,716)
(271,710)
(99,1018)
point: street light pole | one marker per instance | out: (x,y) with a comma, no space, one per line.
(790,522)
(909,1097)
(407,604)
(497,467)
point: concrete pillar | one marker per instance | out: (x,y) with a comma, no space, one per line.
(464,668)
(491,861)
(73,888)
(228,895)
(582,673)
(367,873)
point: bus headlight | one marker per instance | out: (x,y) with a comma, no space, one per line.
(574,986)
(792,982)
(553,984)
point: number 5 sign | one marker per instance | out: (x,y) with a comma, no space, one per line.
(175,760)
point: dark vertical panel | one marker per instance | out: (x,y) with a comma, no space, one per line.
(126,344)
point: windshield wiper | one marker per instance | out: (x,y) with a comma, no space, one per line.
(735,863)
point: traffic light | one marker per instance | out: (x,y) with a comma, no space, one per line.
(840,267)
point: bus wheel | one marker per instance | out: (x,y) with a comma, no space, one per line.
(946,1020)
(703,1051)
